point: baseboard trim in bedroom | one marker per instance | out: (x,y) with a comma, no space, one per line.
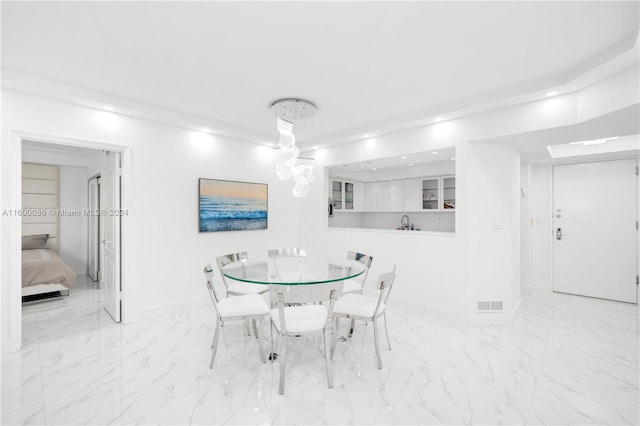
(170,309)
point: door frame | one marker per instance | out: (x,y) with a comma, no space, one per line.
(13,230)
(551,228)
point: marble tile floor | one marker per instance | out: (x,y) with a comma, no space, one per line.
(565,360)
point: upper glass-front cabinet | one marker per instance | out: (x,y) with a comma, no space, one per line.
(348,196)
(336,194)
(430,194)
(438,193)
(449,193)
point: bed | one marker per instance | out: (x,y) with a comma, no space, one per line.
(43,271)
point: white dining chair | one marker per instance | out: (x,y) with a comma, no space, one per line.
(294,315)
(238,288)
(276,256)
(355,285)
(249,307)
(366,308)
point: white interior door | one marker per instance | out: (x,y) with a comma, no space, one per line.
(94,229)
(110,222)
(594,209)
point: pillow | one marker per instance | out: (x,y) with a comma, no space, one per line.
(33,242)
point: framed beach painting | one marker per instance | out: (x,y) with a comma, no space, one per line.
(232,206)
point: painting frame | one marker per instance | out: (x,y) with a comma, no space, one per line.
(230,205)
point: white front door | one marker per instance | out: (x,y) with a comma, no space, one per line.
(594,217)
(110,223)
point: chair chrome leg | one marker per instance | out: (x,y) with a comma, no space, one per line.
(386,330)
(214,345)
(283,361)
(327,359)
(353,325)
(271,357)
(260,348)
(375,338)
(335,336)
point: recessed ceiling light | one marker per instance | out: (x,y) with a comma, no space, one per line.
(590,142)
(438,119)
(551,93)
(366,135)
(452,158)
(411,164)
(109,108)
(404,157)
(594,142)
(316,147)
(434,152)
(374,169)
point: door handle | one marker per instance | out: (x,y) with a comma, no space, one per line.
(558,233)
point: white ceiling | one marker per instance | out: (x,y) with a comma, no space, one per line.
(533,145)
(364,64)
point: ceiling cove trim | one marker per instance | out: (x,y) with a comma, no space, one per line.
(40,86)
(43,87)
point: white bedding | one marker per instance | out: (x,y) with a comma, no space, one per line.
(43,266)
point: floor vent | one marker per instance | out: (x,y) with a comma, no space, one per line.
(489,305)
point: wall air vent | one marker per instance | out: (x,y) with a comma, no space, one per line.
(489,306)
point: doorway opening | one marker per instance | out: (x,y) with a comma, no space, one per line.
(66,218)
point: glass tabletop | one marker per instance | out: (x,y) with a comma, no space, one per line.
(292,270)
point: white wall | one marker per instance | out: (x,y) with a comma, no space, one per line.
(525,226)
(494,224)
(163,251)
(541,237)
(73,229)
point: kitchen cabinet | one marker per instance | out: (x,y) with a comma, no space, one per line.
(396,195)
(439,193)
(346,196)
(411,195)
(370,197)
(434,193)
(358,197)
(431,193)
(336,194)
(449,193)
(382,196)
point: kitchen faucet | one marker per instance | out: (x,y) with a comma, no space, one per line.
(404,225)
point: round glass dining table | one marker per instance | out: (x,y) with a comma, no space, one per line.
(292,270)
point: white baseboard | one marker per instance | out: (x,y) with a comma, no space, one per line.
(440,312)
(456,316)
(170,308)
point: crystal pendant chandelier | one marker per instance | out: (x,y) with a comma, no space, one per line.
(293,112)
